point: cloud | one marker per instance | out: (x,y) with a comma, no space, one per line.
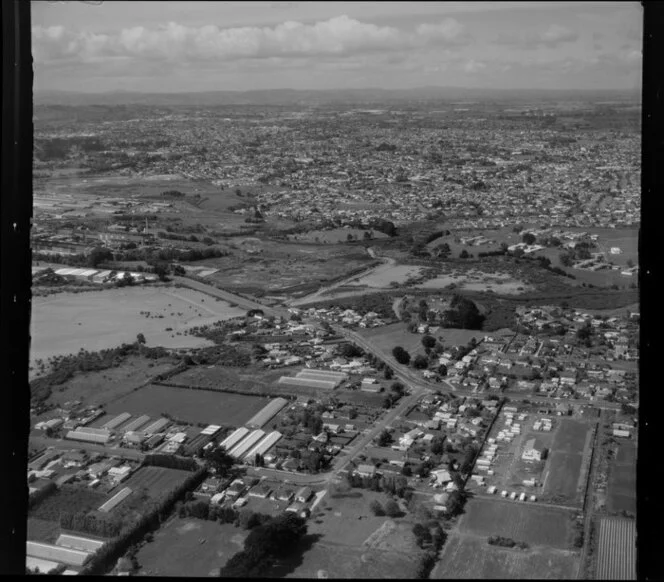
(338,36)
(552,37)
(473,66)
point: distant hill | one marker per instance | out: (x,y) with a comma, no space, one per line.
(312,97)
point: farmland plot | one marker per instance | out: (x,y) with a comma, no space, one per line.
(521,522)
(189,405)
(67,498)
(616,556)
(472,557)
(158,481)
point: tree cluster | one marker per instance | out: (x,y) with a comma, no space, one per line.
(273,540)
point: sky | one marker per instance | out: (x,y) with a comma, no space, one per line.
(167,46)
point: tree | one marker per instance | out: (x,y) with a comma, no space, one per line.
(420,362)
(437,445)
(428,341)
(388,373)
(398,388)
(567,259)
(161,270)
(140,338)
(99,255)
(464,254)
(219,460)
(384,439)
(376,508)
(529,238)
(392,508)
(349,350)
(401,355)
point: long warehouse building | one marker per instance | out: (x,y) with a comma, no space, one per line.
(234,438)
(239,450)
(309,382)
(136,423)
(263,446)
(117,421)
(87,437)
(322,374)
(156,426)
(263,416)
(56,553)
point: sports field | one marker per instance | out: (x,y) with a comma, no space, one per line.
(516,520)
(66,322)
(189,405)
(471,557)
(190,548)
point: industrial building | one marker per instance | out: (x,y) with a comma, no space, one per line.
(325,379)
(263,446)
(117,421)
(266,414)
(211,430)
(79,543)
(239,450)
(234,438)
(78,435)
(136,423)
(54,553)
(156,426)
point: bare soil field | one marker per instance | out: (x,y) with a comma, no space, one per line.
(189,405)
(96,388)
(472,557)
(251,379)
(521,522)
(64,323)
(176,549)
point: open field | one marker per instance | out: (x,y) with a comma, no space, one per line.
(189,405)
(96,388)
(621,490)
(616,549)
(64,323)
(565,459)
(341,561)
(471,557)
(67,498)
(41,530)
(387,337)
(176,549)
(563,475)
(271,266)
(521,522)
(335,235)
(384,275)
(338,513)
(157,480)
(476,280)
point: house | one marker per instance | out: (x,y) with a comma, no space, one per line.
(236,489)
(262,491)
(532,452)
(304,494)
(441,476)
(366,470)
(284,495)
